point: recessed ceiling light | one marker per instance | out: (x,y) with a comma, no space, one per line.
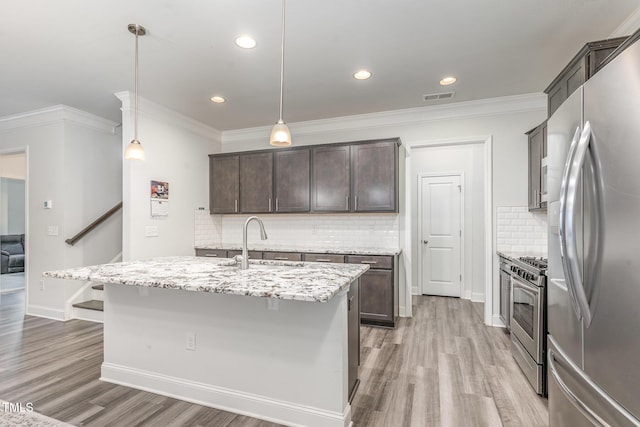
(448,81)
(217,99)
(246,42)
(362,75)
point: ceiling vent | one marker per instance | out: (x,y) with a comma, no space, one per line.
(438,96)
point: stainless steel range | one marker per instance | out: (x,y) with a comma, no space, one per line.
(528,319)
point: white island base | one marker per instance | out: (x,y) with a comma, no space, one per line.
(287,364)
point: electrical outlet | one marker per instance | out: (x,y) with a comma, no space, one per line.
(191,341)
(151,231)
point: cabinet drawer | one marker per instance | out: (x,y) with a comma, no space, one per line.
(283,256)
(374,261)
(215,253)
(252,254)
(324,258)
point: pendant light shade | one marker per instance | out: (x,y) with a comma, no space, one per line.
(134,150)
(280,134)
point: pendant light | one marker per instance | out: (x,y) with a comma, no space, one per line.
(280,134)
(134,150)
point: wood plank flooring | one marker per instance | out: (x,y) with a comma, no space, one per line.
(442,367)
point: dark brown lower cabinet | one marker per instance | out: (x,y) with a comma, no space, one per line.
(378,289)
(353,321)
(377,296)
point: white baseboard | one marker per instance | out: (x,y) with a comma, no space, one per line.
(477,296)
(278,411)
(496,321)
(46,312)
(466,294)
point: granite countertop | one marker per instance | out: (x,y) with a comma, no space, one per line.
(300,281)
(276,248)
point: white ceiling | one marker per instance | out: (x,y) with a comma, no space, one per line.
(79,53)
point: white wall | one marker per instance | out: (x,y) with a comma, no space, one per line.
(502,120)
(176,150)
(468,160)
(64,149)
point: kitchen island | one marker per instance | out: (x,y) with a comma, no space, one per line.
(270,342)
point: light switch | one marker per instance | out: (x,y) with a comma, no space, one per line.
(151,231)
(52,230)
(47,204)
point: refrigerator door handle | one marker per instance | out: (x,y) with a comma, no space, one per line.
(617,411)
(572,264)
(562,221)
(575,400)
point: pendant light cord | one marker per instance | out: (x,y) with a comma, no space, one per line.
(135,119)
(282,63)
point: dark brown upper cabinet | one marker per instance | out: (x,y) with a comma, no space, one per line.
(224,184)
(580,69)
(346,177)
(256,182)
(375,176)
(331,179)
(537,151)
(292,171)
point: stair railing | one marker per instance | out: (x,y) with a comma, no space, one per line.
(72,241)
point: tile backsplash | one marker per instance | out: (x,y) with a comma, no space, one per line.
(291,230)
(519,230)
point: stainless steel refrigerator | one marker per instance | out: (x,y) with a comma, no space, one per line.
(593,185)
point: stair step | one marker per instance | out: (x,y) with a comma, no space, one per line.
(98,287)
(91,305)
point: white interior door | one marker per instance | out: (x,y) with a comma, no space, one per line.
(441,234)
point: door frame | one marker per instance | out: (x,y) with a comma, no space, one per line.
(486,141)
(460,176)
(25,151)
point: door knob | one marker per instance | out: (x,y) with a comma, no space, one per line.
(425,241)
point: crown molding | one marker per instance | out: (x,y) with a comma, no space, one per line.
(628,26)
(166,115)
(409,116)
(56,114)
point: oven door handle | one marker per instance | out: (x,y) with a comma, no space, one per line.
(524,286)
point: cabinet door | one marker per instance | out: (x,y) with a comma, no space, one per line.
(224,179)
(292,178)
(535,157)
(256,182)
(376,295)
(331,181)
(282,256)
(212,253)
(375,177)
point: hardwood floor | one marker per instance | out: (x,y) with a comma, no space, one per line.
(443,367)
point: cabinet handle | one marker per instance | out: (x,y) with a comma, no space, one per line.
(236,205)
(350,303)
(347,202)
(355,203)
(276,204)
(269,204)
(282,258)
(212,255)
(323,260)
(368,262)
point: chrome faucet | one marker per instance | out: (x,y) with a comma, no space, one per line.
(263,236)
